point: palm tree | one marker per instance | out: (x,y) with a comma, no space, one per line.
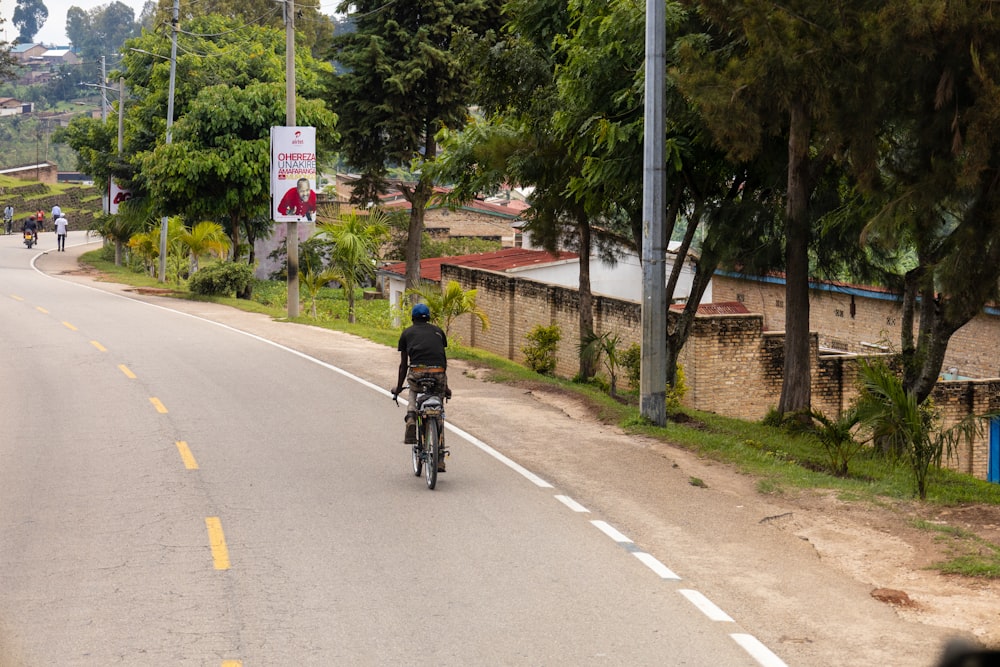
(119,228)
(447,304)
(146,245)
(355,240)
(205,238)
(905,427)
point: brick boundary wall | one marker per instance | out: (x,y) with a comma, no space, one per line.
(733,366)
(849,318)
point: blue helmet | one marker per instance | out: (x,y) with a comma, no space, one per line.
(420,312)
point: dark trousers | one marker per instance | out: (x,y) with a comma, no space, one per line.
(61,241)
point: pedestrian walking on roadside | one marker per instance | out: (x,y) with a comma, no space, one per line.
(8,219)
(56,213)
(61,230)
(39,219)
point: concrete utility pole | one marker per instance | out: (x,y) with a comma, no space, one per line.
(175,25)
(292,229)
(104,88)
(121,114)
(653,362)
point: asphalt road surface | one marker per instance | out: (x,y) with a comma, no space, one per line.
(191,485)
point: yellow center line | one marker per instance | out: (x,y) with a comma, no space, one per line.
(70,326)
(159,406)
(16,297)
(129,374)
(186,456)
(98,346)
(232,663)
(41,310)
(220,554)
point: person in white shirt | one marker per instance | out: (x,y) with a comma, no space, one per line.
(61,230)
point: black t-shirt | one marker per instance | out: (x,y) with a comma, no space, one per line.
(424,345)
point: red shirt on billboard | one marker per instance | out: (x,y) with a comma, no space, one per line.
(300,201)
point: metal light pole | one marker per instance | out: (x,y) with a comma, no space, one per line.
(653,360)
(170,121)
(292,229)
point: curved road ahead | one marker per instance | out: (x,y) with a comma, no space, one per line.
(184,484)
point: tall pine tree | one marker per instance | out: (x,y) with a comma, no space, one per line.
(399,82)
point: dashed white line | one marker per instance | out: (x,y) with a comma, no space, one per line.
(706,606)
(758,651)
(749,643)
(611,532)
(572,504)
(655,565)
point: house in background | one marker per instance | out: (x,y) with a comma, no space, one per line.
(25,53)
(521,261)
(10,106)
(60,56)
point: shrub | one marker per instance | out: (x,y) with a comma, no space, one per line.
(540,352)
(676,393)
(222,279)
(631,362)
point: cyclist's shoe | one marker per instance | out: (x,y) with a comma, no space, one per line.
(441,466)
(411,429)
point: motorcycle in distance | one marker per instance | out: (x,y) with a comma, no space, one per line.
(429,449)
(29,238)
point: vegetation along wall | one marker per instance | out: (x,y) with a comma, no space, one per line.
(733,366)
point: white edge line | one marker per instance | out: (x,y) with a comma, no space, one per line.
(572,504)
(527,474)
(606,528)
(706,606)
(655,565)
(516,467)
(757,650)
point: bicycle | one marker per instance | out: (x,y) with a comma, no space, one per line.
(429,449)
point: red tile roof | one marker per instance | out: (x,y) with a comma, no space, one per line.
(501,260)
(721,308)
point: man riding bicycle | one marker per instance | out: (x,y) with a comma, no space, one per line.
(421,354)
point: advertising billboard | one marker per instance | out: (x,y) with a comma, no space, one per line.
(293,174)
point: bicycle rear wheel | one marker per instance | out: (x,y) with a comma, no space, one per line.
(417,452)
(432,447)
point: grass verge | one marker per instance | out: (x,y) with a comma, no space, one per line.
(782,462)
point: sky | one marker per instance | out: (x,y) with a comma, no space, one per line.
(53,32)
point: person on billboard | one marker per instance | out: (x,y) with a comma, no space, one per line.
(300,201)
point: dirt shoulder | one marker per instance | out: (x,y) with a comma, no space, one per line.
(818,580)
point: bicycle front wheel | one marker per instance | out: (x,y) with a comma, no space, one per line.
(432,446)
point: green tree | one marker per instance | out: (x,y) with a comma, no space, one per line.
(795,73)
(229,93)
(449,303)
(100,31)
(937,182)
(606,348)
(313,29)
(205,238)
(29,17)
(717,209)
(354,241)
(8,64)
(897,421)
(400,83)
(518,143)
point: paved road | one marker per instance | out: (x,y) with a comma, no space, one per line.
(176,492)
(550,541)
